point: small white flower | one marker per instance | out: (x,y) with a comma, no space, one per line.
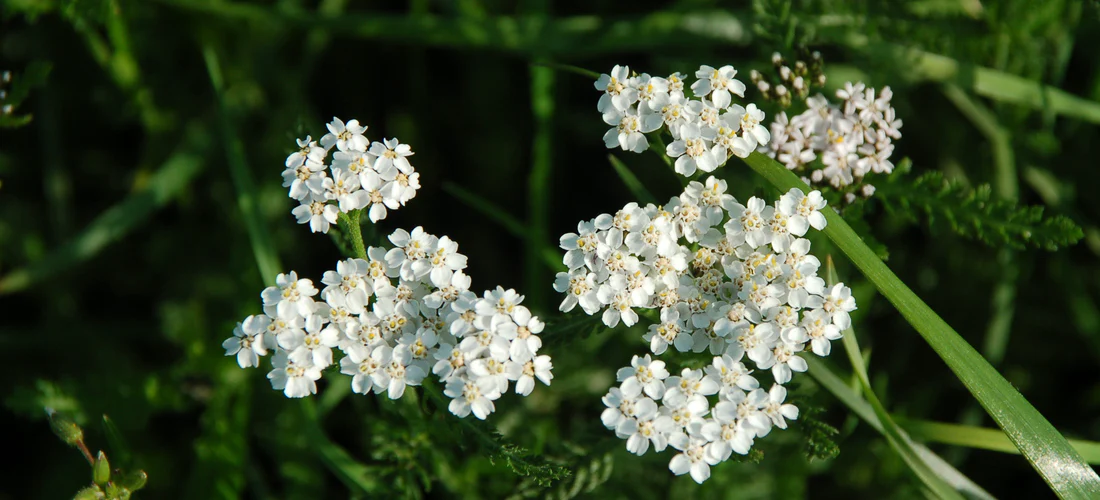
(692,151)
(778,412)
(295,378)
(361,366)
(618,93)
(307,152)
(317,212)
(803,210)
(392,154)
(692,458)
(380,195)
(839,303)
(539,367)
(472,395)
(579,287)
(718,84)
(628,129)
(345,137)
(644,375)
(247,342)
(291,296)
(343,187)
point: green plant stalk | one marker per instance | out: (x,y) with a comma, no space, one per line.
(1064,470)
(355,231)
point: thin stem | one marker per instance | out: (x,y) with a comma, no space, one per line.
(87,453)
(355,232)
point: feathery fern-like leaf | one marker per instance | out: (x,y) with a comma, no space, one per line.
(974,213)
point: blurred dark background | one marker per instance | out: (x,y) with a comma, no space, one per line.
(125,259)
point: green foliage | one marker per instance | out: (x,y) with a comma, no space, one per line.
(820,437)
(974,213)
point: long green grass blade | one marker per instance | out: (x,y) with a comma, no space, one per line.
(1064,470)
(262,248)
(637,189)
(923,430)
(824,376)
(897,439)
(549,257)
(986,82)
(539,182)
(354,474)
(117,221)
(488,209)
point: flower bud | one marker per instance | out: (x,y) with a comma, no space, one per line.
(65,428)
(101,470)
(134,480)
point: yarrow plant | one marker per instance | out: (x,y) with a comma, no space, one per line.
(736,281)
(707,128)
(395,314)
(374,176)
(852,139)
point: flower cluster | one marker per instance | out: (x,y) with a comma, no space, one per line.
(362,175)
(734,280)
(396,316)
(706,128)
(851,139)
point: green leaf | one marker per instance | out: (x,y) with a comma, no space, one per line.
(1042,445)
(114,223)
(973,213)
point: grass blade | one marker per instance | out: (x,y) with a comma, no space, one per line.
(539,183)
(117,221)
(1064,470)
(637,189)
(549,256)
(824,376)
(488,209)
(986,82)
(898,440)
(354,474)
(262,248)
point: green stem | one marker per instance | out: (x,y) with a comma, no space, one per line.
(355,232)
(1045,448)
